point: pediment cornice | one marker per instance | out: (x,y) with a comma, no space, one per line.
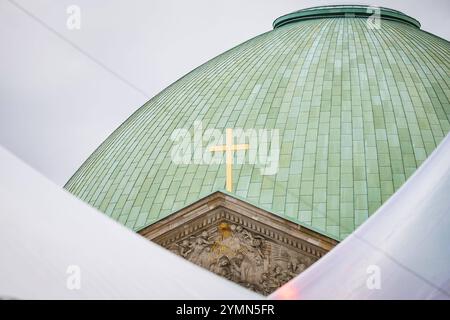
(219,228)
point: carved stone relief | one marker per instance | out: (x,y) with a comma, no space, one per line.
(239,242)
(242,256)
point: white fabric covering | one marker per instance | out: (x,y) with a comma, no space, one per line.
(407,240)
(44,230)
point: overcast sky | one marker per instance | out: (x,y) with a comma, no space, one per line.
(62,92)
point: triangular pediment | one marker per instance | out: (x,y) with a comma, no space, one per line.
(239,241)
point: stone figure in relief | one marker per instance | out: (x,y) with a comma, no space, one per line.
(236,265)
(183,248)
(232,241)
(243,256)
(222,267)
(200,247)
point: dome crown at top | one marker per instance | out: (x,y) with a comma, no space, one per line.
(344,11)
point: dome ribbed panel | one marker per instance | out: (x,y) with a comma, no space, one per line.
(358,110)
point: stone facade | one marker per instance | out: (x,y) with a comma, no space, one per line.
(240,242)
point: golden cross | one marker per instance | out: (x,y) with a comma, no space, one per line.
(229,147)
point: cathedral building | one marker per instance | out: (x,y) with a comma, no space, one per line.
(260,161)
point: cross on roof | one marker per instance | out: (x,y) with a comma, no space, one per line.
(229,147)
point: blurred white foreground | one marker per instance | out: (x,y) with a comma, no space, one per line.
(51,244)
(401,252)
(47,236)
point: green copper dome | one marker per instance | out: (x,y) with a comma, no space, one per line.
(358,108)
